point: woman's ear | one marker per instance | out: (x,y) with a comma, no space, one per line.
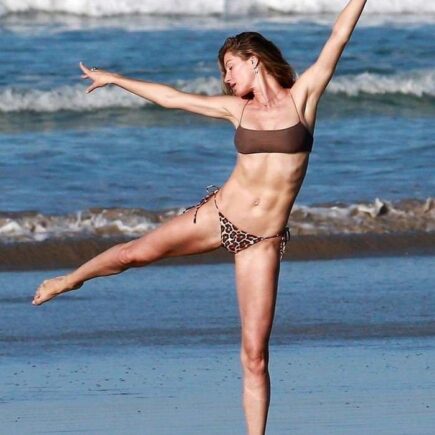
(254,64)
(254,61)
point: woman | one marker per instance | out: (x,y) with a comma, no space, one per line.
(274,116)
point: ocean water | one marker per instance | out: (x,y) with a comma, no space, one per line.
(65,155)
(195,305)
(352,339)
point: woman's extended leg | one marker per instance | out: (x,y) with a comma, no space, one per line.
(179,236)
(257,271)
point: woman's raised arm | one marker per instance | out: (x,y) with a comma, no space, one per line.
(318,75)
(219,106)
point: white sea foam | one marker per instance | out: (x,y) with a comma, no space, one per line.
(48,24)
(101,8)
(377,216)
(39,227)
(334,6)
(74,97)
(415,83)
(65,98)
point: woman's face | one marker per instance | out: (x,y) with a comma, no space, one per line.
(239,74)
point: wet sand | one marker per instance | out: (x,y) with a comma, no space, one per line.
(341,387)
(156,351)
(53,254)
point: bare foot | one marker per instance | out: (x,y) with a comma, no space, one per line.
(50,288)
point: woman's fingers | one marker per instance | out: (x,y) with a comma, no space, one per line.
(37,296)
(86,71)
(84,68)
(94,85)
(99,77)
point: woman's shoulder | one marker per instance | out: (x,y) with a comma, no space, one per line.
(235,106)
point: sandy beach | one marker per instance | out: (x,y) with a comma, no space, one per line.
(156,351)
(352,387)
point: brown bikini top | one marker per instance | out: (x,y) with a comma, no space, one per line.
(294,139)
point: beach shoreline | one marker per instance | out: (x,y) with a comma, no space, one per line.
(354,388)
(65,253)
(157,351)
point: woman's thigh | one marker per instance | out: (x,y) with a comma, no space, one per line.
(257,272)
(180,236)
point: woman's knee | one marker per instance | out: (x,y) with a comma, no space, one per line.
(131,255)
(254,358)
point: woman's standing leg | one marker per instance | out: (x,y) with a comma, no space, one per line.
(257,271)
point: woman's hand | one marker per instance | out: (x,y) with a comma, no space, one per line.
(100,77)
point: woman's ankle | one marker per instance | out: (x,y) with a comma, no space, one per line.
(72,284)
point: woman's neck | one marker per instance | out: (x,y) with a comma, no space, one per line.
(267,91)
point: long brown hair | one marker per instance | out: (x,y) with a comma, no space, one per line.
(248,44)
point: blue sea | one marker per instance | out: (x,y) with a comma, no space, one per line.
(156,350)
(66,157)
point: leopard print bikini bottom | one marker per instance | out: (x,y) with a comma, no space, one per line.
(234,239)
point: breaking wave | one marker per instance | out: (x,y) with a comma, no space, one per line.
(419,83)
